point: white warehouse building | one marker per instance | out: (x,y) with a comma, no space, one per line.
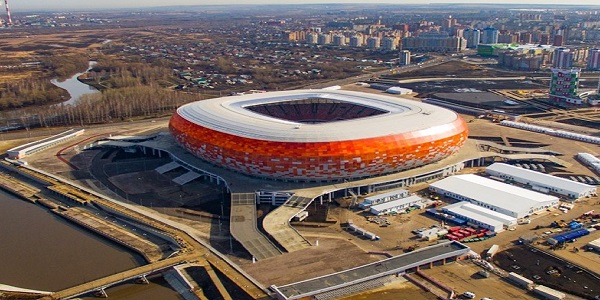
(501,197)
(382,198)
(542,182)
(480,216)
(395,205)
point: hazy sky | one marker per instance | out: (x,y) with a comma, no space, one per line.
(29,5)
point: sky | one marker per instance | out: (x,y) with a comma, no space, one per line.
(38,5)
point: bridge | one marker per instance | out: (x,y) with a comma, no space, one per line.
(99,285)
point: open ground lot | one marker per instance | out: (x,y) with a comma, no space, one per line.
(458,69)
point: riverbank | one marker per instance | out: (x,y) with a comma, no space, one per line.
(75,86)
(92,222)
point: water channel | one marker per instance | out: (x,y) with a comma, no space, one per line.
(42,251)
(75,87)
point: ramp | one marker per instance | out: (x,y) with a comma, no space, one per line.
(277,224)
(167,167)
(185,178)
(243,227)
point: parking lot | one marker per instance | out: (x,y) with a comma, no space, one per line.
(549,270)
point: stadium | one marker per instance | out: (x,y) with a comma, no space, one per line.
(317,135)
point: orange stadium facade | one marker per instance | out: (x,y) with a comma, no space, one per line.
(317,135)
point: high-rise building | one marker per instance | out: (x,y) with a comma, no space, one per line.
(324,39)
(507,38)
(373,42)
(489,35)
(563,58)
(312,37)
(558,40)
(593,61)
(404,58)
(356,41)
(434,41)
(564,86)
(545,39)
(389,43)
(472,36)
(339,40)
(526,38)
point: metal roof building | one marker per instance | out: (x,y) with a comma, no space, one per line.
(385,197)
(480,216)
(541,181)
(501,197)
(395,205)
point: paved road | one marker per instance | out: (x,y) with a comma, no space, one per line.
(119,277)
(243,227)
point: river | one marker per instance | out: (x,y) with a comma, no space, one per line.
(41,251)
(75,87)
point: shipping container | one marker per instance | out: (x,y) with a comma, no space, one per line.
(453,229)
(492,251)
(567,236)
(548,293)
(520,280)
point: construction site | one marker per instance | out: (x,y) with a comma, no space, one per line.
(192,218)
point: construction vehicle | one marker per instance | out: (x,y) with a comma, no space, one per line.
(411,248)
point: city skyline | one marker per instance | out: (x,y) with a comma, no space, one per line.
(38,5)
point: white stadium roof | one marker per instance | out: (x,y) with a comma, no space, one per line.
(541,178)
(229,115)
(493,192)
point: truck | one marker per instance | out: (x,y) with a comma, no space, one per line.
(492,251)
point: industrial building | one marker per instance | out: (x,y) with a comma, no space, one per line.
(382,198)
(591,161)
(395,205)
(498,196)
(541,182)
(480,216)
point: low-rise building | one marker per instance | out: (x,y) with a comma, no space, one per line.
(395,205)
(541,182)
(382,198)
(494,195)
(480,216)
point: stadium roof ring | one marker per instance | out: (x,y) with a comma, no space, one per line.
(317,134)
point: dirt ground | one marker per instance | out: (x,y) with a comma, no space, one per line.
(458,69)
(331,255)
